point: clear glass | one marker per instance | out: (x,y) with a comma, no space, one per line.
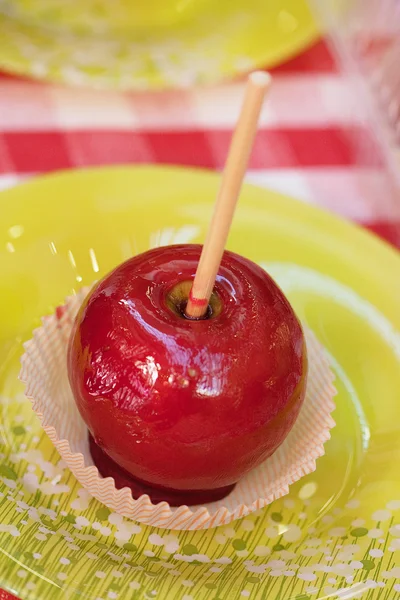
(366,36)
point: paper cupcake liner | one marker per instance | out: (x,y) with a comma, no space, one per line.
(44,372)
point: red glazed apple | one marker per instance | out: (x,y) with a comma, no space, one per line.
(185,407)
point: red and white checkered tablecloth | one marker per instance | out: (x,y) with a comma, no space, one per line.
(314,141)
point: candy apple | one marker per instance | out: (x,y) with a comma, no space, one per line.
(178,408)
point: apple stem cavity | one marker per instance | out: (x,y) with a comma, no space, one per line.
(235,168)
(177,300)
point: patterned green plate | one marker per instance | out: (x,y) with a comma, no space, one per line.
(136,44)
(337,534)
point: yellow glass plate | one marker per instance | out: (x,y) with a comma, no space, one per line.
(149,44)
(337,534)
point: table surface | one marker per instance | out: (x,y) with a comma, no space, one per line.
(314,141)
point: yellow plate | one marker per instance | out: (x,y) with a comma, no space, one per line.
(338,529)
(149,44)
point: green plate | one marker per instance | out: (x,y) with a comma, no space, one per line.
(149,44)
(337,534)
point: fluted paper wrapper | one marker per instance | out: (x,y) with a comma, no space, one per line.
(44,371)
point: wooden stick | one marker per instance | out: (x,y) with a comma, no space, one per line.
(232,179)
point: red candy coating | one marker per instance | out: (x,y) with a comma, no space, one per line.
(180,404)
